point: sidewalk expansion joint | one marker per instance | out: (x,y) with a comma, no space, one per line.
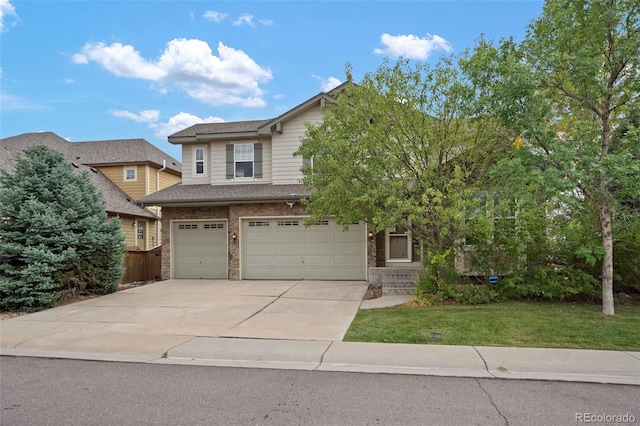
(322,356)
(486,367)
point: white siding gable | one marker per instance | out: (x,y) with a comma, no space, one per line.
(286,167)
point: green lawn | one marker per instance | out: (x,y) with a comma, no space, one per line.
(535,324)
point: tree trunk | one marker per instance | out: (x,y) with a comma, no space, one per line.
(607,262)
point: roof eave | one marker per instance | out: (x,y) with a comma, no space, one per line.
(221,202)
(207,137)
(265,129)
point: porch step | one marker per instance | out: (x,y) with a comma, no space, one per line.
(398,288)
(394,280)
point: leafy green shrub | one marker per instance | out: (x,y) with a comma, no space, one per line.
(551,283)
(432,292)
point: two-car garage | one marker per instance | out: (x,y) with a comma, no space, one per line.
(283,248)
(270,248)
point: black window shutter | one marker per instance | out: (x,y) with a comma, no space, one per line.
(257,160)
(230,155)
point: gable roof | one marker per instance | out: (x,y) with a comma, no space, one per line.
(117,202)
(122,151)
(248,128)
(13,145)
(115,151)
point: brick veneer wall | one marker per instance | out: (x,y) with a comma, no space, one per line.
(233,213)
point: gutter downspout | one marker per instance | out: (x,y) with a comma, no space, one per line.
(164,166)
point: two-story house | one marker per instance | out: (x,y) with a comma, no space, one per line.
(237,212)
(122,170)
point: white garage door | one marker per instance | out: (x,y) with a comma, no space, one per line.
(200,249)
(286,249)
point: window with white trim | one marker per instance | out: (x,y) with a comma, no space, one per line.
(243,160)
(130,174)
(199,163)
(141,230)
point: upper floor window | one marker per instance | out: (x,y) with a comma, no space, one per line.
(130,174)
(198,156)
(243,160)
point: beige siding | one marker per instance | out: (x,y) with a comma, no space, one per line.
(286,167)
(128,231)
(188,166)
(151,181)
(136,189)
(219,164)
(167,179)
(152,234)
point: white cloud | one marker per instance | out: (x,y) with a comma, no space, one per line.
(214,16)
(266,22)
(7,12)
(230,78)
(181,121)
(146,116)
(121,60)
(411,46)
(244,19)
(328,83)
(178,122)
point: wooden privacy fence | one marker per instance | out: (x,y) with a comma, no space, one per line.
(142,265)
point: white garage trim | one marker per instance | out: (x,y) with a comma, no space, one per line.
(310,249)
(173,224)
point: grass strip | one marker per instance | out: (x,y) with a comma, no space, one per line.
(518,324)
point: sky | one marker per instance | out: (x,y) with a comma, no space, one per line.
(102,70)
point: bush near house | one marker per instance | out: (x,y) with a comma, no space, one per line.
(55,236)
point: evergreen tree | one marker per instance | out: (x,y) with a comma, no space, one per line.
(55,236)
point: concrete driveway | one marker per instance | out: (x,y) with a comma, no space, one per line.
(152,319)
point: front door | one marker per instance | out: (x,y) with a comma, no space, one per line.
(401,246)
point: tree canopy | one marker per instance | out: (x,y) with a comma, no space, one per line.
(401,148)
(55,236)
(565,89)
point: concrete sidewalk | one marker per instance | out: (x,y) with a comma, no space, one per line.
(290,325)
(433,360)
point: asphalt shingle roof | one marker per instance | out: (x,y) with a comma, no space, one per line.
(224,127)
(116,200)
(206,193)
(121,151)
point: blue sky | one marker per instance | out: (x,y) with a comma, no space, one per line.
(94,70)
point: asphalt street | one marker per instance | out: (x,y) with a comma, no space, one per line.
(71,392)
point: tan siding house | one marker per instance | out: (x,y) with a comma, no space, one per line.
(123,170)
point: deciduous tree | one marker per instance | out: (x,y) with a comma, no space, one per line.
(400,148)
(566,88)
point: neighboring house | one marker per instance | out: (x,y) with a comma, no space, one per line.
(122,170)
(237,213)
